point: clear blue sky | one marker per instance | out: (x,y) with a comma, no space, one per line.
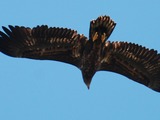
(49,90)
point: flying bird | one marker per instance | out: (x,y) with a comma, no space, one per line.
(90,55)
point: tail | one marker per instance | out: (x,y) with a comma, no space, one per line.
(101,28)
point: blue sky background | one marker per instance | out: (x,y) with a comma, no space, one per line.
(49,90)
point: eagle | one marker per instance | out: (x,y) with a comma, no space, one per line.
(90,55)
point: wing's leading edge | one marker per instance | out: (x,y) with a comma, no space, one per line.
(65,45)
(133,61)
(43,43)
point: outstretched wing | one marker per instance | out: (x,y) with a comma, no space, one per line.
(133,61)
(43,43)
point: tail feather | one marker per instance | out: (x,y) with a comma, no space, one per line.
(101,27)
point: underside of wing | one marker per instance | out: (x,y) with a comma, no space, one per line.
(43,43)
(133,61)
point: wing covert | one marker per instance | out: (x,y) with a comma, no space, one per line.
(43,43)
(133,61)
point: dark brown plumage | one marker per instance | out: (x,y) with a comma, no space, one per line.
(96,54)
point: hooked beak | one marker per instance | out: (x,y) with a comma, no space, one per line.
(88,86)
(87,82)
(87,78)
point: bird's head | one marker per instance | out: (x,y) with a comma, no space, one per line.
(87,78)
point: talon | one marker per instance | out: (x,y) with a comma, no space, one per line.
(95,36)
(103,37)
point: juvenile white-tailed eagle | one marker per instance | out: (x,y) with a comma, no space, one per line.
(89,55)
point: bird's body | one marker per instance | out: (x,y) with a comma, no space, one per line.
(90,63)
(89,55)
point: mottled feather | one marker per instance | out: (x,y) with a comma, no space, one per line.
(41,42)
(133,61)
(89,55)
